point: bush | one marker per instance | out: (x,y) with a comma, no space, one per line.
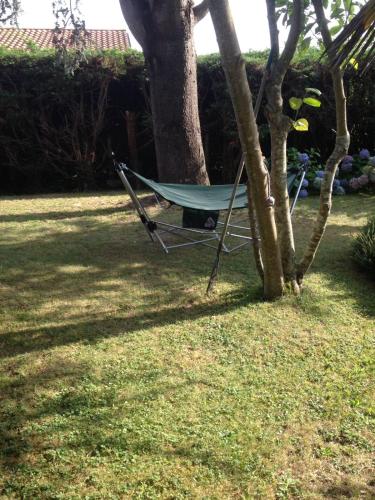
(364,248)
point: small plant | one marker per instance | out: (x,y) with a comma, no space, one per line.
(364,248)
(296,103)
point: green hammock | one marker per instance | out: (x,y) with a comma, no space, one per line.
(200,197)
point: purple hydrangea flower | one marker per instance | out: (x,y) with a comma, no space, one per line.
(303,157)
(336,183)
(354,184)
(320,173)
(305,183)
(303,193)
(347,159)
(344,183)
(363,180)
(364,154)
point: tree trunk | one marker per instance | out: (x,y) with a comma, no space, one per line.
(131,132)
(280,125)
(279,187)
(165,31)
(340,150)
(174,105)
(234,68)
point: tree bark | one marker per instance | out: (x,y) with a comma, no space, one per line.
(280,126)
(234,68)
(164,29)
(340,149)
(254,231)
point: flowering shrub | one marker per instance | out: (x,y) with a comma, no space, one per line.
(355,172)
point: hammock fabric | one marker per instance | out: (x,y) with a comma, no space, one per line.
(200,197)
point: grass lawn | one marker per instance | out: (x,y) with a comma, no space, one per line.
(119,378)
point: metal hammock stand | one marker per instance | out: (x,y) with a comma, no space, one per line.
(204,199)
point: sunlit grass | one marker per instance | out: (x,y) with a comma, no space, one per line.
(119,378)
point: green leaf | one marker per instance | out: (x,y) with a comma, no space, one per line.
(334,30)
(295,103)
(310,90)
(354,63)
(311,101)
(302,125)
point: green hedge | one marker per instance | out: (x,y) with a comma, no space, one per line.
(56,131)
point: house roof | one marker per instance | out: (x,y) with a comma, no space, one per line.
(19,38)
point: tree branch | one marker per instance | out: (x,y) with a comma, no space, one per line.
(273,30)
(322,23)
(134,12)
(293,37)
(200,11)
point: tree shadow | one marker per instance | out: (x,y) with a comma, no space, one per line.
(74,404)
(38,339)
(94,260)
(61,215)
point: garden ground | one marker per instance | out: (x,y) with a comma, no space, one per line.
(119,378)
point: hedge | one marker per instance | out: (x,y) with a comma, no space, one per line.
(57,131)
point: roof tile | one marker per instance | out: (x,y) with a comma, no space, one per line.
(19,38)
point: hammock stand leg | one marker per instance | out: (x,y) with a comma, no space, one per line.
(148,224)
(298,191)
(221,246)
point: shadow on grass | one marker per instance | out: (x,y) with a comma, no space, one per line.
(86,412)
(27,340)
(61,215)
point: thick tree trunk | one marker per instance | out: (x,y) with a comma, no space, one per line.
(165,31)
(234,68)
(174,104)
(340,150)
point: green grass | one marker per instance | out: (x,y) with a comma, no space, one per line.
(119,378)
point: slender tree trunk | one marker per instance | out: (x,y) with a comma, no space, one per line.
(279,187)
(234,68)
(341,147)
(131,132)
(280,125)
(165,31)
(254,231)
